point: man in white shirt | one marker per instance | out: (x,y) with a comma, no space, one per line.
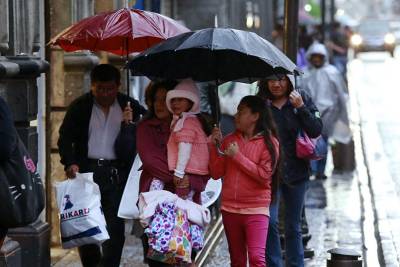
(88,142)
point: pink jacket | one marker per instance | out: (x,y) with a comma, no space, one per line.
(191,132)
(247,176)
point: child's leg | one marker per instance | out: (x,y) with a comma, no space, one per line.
(236,236)
(256,235)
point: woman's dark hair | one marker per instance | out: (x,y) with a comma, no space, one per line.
(150,94)
(266,125)
(265,93)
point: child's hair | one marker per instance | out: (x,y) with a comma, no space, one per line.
(266,125)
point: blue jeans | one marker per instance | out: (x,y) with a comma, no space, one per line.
(293,197)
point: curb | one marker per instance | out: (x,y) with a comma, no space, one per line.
(381,224)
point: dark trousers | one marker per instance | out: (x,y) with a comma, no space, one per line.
(3,233)
(293,197)
(111,193)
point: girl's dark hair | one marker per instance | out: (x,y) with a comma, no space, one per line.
(150,95)
(266,125)
(265,93)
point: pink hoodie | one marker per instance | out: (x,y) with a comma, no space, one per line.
(247,176)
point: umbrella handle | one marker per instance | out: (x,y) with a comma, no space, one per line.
(126,66)
(296,88)
(218,145)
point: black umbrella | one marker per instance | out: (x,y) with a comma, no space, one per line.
(213,54)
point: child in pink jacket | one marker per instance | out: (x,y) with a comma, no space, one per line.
(248,168)
(187,146)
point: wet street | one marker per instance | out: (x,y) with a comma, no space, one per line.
(374,79)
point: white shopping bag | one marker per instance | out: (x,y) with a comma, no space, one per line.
(81,217)
(211,193)
(127,207)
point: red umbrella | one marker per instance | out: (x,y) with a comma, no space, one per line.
(120,32)
(117,30)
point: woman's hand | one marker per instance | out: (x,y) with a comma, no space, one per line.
(216,136)
(232,149)
(295,99)
(128,113)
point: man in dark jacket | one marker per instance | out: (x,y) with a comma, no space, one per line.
(87,141)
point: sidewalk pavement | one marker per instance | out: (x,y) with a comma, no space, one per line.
(132,255)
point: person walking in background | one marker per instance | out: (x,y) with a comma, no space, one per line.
(187,145)
(250,178)
(327,88)
(339,45)
(86,144)
(7,143)
(292,111)
(305,40)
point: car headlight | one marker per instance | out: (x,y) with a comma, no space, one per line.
(356,40)
(390,39)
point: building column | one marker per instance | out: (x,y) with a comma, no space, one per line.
(18,86)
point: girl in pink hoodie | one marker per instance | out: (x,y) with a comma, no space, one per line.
(249,171)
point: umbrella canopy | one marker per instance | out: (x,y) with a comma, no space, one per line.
(120,32)
(213,54)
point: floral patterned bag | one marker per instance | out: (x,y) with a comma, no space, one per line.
(169,235)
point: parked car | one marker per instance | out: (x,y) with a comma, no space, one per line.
(373,35)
